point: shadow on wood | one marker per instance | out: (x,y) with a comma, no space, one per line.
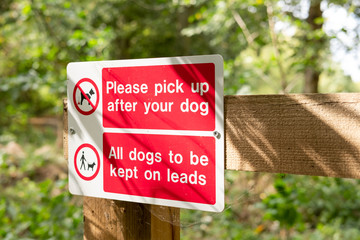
(309,134)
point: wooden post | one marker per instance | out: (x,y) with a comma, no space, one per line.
(309,134)
(110,219)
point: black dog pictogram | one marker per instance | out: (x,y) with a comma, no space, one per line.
(91,92)
(91,166)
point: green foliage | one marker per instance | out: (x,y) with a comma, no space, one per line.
(301,203)
(281,206)
(32,210)
(30,207)
(267,47)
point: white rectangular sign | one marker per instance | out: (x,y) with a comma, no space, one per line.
(148,130)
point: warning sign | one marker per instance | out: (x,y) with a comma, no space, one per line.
(86,96)
(178,97)
(87,162)
(148,131)
(162,167)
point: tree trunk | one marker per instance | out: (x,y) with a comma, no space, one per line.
(312,77)
(312,70)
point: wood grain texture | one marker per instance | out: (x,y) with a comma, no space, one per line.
(109,219)
(165,223)
(308,134)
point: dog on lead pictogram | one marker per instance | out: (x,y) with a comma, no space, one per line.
(89,165)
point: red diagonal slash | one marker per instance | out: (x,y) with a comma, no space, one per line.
(86,97)
(94,106)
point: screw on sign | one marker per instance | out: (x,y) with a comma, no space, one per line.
(86,96)
(87,162)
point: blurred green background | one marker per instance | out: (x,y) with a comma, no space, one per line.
(269,47)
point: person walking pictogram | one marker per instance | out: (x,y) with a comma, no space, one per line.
(83,160)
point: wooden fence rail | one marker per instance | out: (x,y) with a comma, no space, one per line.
(308,134)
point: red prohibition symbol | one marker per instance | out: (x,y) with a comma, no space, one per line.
(89,160)
(85,94)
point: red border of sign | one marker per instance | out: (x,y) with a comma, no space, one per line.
(98,162)
(97,96)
